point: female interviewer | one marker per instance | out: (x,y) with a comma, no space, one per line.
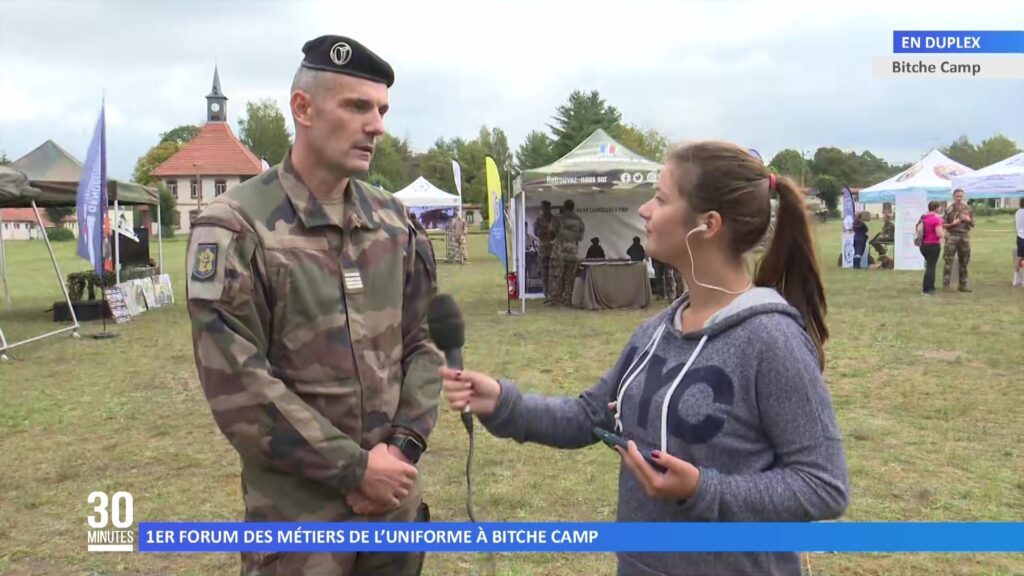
(724,387)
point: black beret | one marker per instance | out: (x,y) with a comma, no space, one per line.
(343,55)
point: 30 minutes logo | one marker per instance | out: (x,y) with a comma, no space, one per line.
(117,511)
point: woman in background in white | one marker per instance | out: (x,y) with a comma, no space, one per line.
(1019,269)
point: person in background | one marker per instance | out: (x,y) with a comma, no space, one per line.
(663,275)
(546,238)
(887,235)
(1018,274)
(636,251)
(860,239)
(930,242)
(568,229)
(957,222)
(595,252)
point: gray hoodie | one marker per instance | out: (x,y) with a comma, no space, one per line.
(749,408)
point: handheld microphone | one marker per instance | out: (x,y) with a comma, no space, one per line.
(448,331)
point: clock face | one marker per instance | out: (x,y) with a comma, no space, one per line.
(215,107)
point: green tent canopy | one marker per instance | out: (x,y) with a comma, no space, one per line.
(598,163)
(55,173)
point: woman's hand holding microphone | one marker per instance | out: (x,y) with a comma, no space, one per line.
(465,388)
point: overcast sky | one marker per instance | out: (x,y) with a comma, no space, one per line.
(768,75)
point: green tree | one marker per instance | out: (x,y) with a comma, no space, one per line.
(4,160)
(181,134)
(168,211)
(829,191)
(646,142)
(963,152)
(535,151)
(581,114)
(995,149)
(154,157)
(57,214)
(791,163)
(390,165)
(263,130)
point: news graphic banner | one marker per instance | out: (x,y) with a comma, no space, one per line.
(582,537)
(953,54)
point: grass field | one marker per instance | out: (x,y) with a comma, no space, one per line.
(929,393)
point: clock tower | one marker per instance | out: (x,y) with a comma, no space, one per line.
(216,101)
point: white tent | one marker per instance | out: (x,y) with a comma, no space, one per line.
(933,175)
(1003,179)
(422,194)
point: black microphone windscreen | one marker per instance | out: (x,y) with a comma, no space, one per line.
(444,320)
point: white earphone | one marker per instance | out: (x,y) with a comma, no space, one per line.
(693,270)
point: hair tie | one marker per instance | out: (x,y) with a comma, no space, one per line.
(771,181)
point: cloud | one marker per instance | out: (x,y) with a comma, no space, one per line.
(768,75)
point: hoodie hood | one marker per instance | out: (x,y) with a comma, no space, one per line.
(753,302)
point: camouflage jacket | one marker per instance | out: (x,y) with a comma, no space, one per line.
(542,230)
(953,212)
(309,332)
(567,229)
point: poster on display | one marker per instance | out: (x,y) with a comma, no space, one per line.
(848,250)
(611,218)
(910,206)
(434,218)
(134,298)
(116,304)
(162,289)
(149,292)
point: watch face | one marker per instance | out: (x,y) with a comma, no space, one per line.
(215,107)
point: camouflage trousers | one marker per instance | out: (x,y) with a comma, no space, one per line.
(413,509)
(562,277)
(545,271)
(461,254)
(958,247)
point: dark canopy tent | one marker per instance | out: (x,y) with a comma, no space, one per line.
(55,172)
(16,192)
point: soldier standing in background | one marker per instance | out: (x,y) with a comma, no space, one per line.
(307,292)
(567,229)
(459,231)
(957,221)
(545,238)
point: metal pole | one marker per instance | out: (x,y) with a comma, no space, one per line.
(117,244)
(3,265)
(160,234)
(56,268)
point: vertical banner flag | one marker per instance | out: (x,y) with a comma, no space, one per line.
(91,199)
(493,190)
(847,237)
(457,173)
(910,206)
(496,240)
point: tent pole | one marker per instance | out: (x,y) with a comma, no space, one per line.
(521,254)
(117,243)
(56,268)
(3,265)
(160,235)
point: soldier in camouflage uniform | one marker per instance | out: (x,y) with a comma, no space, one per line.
(459,231)
(545,238)
(957,221)
(567,229)
(307,292)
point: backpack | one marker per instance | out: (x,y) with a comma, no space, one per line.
(919,232)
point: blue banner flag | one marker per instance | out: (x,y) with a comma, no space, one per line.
(91,198)
(958,42)
(496,241)
(582,537)
(848,214)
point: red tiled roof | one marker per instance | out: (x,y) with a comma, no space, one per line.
(24,215)
(216,151)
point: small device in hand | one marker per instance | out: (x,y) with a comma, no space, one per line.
(613,440)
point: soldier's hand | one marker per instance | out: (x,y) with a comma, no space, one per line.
(363,506)
(387,480)
(465,388)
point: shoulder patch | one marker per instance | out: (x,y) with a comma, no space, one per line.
(205,266)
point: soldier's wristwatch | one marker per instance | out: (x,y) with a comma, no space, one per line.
(409,446)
